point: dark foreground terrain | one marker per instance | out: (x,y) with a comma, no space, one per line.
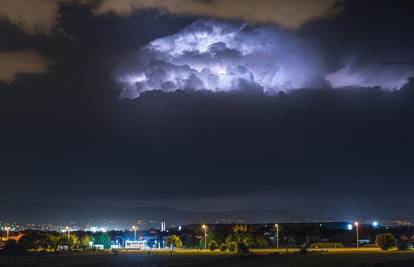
(317,259)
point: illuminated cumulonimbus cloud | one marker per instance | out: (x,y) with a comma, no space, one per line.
(371,74)
(221,56)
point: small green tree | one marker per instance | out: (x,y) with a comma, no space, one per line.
(84,242)
(385,241)
(102,239)
(175,241)
(70,241)
(242,238)
(73,242)
(213,245)
(403,243)
(191,241)
(223,247)
(210,237)
(53,241)
(261,241)
(233,247)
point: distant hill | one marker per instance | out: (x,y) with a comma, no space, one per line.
(151,216)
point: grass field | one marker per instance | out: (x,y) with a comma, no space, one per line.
(370,257)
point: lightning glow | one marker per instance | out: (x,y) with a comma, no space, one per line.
(221,56)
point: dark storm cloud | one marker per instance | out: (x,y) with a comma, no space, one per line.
(32,17)
(67,137)
(359,43)
(21,62)
(288,13)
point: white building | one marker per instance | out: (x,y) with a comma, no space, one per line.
(136,244)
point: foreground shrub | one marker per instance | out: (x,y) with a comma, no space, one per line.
(385,241)
(233,247)
(213,245)
(403,243)
(223,247)
(175,241)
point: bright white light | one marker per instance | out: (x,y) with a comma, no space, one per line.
(95,229)
(375,224)
(350,227)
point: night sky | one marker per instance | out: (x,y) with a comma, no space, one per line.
(93,110)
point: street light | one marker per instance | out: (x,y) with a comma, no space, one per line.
(277,235)
(134,228)
(7,228)
(68,230)
(357,233)
(205,236)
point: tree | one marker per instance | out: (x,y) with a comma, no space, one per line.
(233,247)
(385,241)
(12,248)
(35,240)
(403,243)
(191,241)
(261,241)
(241,238)
(223,247)
(102,239)
(175,241)
(210,237)
(70,241)
(213,245)
(84,242)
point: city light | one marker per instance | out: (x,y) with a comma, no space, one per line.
(67,228)
(135,228)
(7,228)
(350,227)
(375,224)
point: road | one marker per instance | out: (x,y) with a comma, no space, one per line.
(332,258)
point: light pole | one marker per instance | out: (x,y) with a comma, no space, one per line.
(7,232)
(357,233)
(68,230)
(134,228)
(277,235)
(205,236)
